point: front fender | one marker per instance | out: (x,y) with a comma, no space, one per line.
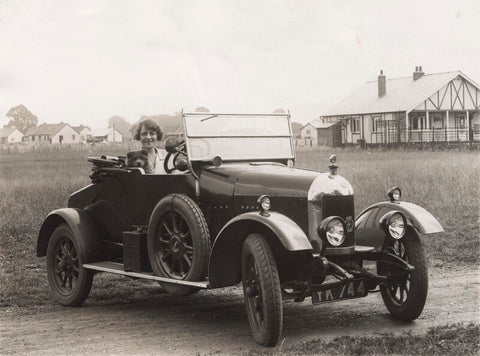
(83,228)
(224,264)
(367,227)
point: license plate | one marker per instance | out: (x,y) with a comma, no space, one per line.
(353,289)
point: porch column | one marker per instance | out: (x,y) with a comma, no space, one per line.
(427,124)
(447,125)
(407,126)
(467,117)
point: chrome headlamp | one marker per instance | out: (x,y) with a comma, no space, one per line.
(333,230)
(265,203)
(394,224)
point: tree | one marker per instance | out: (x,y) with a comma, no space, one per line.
(21,118)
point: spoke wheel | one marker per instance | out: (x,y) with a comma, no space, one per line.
(175,245)
(69,281)
(178,242)
(261,288)
(404,295)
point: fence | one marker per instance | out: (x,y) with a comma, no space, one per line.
(455,135)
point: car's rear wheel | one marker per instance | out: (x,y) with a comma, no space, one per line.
(261,289)
(178,242)
(405,294)
(69,282)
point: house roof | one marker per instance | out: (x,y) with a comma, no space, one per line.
(7,131)
(80,128)
(402,94)
(319,124)
(47,129)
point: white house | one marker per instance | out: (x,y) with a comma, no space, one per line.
(105,135)
(84,132)
(54,133)
(440,107)
(10,135)
(320,133)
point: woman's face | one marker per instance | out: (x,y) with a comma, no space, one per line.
(148,137)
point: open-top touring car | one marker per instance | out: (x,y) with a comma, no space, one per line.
(238,211)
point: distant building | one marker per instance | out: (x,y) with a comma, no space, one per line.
(10,135)
(441,107)
(321,133)
(105,135)
(84,132)
(53,133)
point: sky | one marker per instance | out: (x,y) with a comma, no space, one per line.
(83,62)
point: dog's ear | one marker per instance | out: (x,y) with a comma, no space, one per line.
(130,154)
(144,152)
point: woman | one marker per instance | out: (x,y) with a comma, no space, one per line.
(149,133)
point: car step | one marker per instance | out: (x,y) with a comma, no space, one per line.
(117,268)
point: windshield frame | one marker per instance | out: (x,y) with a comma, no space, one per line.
(283,138)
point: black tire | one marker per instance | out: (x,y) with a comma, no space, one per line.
(69,282)
(261,290)
(178,242)
(405,298)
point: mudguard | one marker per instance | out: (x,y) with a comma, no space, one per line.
(367,227)
(83,227)
(224,264)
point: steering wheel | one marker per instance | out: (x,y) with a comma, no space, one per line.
(175,149)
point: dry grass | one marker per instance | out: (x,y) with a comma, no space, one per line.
(448,340)
(34,183)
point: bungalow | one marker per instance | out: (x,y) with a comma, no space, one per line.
(441,107)
(10,135)
(84,132)
(53,133)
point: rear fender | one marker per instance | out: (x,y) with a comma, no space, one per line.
(367,224)
(224,266)
(83,228)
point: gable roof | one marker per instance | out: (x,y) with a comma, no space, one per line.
(80,128)
(7,131)
(47,129)
(403,94)
(319,124)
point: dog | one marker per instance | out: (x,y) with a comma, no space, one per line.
(138,159)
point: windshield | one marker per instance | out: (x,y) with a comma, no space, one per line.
(238,137)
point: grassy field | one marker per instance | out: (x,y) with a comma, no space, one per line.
(445,183)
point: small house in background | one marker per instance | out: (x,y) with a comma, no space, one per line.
(10,135)
(84,132)
(421,108)
(105,135)
(53,133)
(321,133)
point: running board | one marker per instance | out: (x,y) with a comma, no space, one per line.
(117,268)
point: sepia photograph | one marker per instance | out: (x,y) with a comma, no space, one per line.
(213,177)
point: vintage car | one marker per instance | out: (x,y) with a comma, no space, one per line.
(233,208)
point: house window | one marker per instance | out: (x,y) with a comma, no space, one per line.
(60,138)
(460,121)
(377,124)
(355,124)
(438,121)
(73,137)
(309,133)
(419,122)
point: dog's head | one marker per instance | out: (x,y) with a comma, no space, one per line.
(137,159)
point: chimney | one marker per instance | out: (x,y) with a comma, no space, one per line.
(418,73)
(382,86)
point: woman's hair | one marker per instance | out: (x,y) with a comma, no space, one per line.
(149,125)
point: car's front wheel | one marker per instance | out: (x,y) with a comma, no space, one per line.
(69,282)
(261,289)
(405,294)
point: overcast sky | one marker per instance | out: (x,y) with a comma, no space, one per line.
(82,62)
